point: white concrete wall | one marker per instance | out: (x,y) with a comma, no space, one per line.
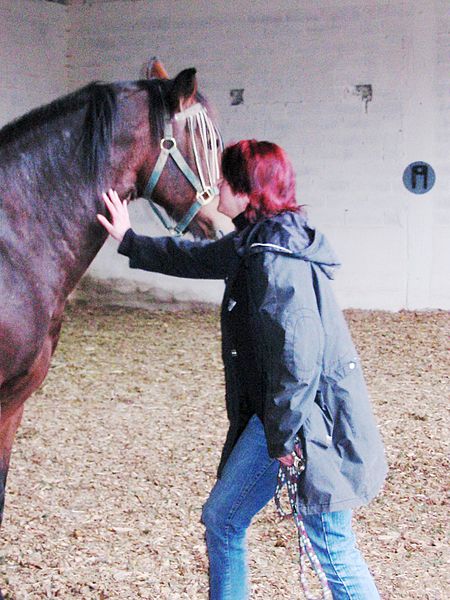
(33,46)
(298,63)
(440,241)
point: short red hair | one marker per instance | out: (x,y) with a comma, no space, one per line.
(263,171)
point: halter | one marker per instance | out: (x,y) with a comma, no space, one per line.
(211,142)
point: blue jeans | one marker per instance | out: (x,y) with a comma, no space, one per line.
(247,483)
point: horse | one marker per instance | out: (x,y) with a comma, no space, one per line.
(55,162)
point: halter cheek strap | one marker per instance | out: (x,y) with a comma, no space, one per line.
(197,118)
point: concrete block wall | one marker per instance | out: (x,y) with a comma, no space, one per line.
(33,49)
(299,64)
(440,271)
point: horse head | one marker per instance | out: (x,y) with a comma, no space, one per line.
(175,162)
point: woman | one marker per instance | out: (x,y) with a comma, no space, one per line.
(291,370)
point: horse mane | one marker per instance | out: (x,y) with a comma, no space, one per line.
(99,122)
(99,101)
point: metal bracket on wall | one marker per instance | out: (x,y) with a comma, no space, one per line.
(237,96)
(364,91)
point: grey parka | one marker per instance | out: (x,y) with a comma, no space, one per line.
(311,375)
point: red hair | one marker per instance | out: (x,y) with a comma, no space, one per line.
(263,171)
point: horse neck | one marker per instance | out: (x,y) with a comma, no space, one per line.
(57,207)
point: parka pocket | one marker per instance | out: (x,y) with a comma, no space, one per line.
(304,343)
(318,426)
(346,393)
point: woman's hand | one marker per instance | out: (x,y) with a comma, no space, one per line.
(119,215)
(287,460)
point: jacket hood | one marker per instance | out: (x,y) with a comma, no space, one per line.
(321,253)
(288,233)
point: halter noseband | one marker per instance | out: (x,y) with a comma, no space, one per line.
(197,118)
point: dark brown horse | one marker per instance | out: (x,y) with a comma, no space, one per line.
(54,164)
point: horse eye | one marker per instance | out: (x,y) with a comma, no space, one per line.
(216,144)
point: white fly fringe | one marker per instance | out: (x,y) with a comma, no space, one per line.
(210,146)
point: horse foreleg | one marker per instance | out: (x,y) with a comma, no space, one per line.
(8,428)
(13,394)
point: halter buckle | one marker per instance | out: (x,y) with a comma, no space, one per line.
(206,196)
(170,140)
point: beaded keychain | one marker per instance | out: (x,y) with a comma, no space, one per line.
(289,477)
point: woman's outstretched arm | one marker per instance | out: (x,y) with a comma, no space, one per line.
(176,256)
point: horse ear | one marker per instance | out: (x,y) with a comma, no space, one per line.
(183,89)
(155,69)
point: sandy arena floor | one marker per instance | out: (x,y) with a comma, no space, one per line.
(118,450)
